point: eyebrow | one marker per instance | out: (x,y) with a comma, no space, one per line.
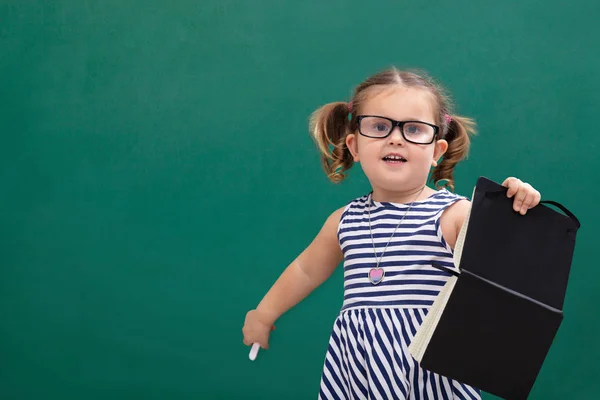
(413,119)
(404,119)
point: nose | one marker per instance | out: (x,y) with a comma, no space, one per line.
(396,136)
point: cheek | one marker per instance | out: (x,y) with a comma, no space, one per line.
(369,147)
(422,158)
(370,152)
(421,153)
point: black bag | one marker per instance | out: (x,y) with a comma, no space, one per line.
(505,307)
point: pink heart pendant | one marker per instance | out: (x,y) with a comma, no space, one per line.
(376,275)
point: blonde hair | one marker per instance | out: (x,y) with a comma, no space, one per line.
(331,123)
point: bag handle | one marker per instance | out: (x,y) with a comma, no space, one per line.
(564,209)
(503,190)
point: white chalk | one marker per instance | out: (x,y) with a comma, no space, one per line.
(254,351)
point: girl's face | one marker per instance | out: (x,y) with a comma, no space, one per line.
(385,174)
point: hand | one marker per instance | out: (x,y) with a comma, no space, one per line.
(257,329)
(526,197)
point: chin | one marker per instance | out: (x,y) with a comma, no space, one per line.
(398,181)
(392,183)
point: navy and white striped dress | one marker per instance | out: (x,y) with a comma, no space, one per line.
(368,354)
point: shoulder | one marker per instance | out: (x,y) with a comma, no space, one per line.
(355,205)
(456,212)
(328,238)
(336,216)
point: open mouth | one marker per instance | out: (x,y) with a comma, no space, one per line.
(394,159)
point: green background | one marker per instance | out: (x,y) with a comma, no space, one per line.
(157,176)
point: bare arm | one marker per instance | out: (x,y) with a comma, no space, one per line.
(309,270)
(452,220)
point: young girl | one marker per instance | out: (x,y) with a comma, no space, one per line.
(397,126)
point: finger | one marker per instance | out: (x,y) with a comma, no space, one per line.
(519,198)
(264,343)
(507,181)
(538,198)
(513,185)
(527,202)
(252,339)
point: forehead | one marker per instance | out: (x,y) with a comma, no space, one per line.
(400,103)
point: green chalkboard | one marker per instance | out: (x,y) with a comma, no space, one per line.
(157,176)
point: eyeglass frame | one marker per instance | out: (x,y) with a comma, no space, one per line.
(400,124)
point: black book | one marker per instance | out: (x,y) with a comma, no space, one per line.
(494,322)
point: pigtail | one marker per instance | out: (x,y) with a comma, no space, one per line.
(459,131)
(328,126)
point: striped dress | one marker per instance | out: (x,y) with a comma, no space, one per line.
(368,356)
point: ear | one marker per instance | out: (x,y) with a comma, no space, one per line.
(351,143)
(441,146)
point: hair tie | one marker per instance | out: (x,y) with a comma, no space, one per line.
(350,107)
(448,118)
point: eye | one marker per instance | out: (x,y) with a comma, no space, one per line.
(380,127)
(375,126)
(412,129)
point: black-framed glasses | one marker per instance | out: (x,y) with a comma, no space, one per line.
(418,132)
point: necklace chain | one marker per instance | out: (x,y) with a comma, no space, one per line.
(397,226)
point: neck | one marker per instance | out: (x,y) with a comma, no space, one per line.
(402,196)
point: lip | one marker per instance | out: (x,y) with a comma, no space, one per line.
(394,154)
